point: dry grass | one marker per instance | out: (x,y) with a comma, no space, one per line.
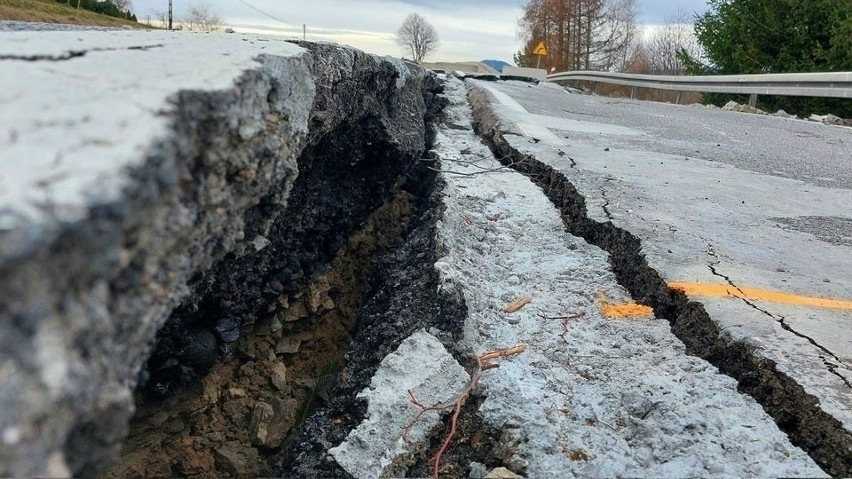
(51,11)
(647,94)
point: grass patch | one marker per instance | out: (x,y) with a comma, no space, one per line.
(51,11)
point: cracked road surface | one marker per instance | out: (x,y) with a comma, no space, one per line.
(602,388)
(749,215)
(81,141)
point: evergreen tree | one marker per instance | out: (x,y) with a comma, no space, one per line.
(103,7)
(521,59)
(777,36)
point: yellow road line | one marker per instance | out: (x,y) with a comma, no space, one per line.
(622,310)
(719,290)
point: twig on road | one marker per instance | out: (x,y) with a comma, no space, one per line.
(565,320)
(484,363)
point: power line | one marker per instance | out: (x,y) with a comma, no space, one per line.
(244,2)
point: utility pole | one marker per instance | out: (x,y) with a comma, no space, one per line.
(170,14)
(304,32)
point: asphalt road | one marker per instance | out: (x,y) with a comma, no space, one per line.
(750,215)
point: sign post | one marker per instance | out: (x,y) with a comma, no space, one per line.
(541,51)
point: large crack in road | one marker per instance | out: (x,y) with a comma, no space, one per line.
(831,367)
(589,396)
(72,54)
(254,348)
(312,265)
(795,411)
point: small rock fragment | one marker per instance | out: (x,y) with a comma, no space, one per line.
(827,119)
(282,421)
(196,460)
(260,242)
(236,459)
(751,109)
(477,470)
(288,345)
(56,466)
(278,376)
(295,312)
(236,393)
(318,298)
(783,114)
(732,106)
(261,414)
(502,473)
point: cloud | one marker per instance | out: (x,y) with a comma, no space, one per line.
(469,29)
(657,11)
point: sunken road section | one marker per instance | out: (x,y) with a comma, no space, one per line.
(166,192)
(796,412)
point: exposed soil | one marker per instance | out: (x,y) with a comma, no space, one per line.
(796,412)
(256,347)
(330,201)
(474,442)
(237,419)
(402,296)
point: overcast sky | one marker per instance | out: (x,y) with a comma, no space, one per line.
(469,29)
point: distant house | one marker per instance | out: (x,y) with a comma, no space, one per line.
(495,64)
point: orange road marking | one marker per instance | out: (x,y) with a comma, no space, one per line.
(719,290)
(622,310)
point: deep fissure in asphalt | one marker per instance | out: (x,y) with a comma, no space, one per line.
(239,416)
(257,372)
(402,296)
(796,412)
(260,351)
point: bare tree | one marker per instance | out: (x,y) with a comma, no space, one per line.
(202,17)
(664,46)
(581,34)
(123,5)
(162,21)
(622,21)
(417,36)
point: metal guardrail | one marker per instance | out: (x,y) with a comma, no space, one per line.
(830,85)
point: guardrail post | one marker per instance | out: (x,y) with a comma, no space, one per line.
(679,97)
(597,87)
(752,100)
(633,93)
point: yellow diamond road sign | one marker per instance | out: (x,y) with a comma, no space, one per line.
(540,49)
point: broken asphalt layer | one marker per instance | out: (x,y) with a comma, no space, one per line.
(172,213)
(103,220)
(160,193)
(591,395)
(705,226)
